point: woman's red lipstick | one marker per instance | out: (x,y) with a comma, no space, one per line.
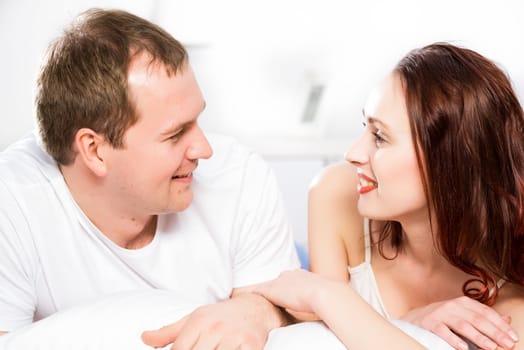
(365,184)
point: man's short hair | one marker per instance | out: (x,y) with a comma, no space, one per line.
(83,81)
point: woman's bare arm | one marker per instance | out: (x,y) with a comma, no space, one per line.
(335,228)
(350,317)
(333,220)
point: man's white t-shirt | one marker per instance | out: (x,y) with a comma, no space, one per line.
(235,233)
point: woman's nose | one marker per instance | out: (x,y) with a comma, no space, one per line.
(357,154)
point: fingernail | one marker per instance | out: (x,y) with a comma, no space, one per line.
(508,343)
(463,346)
(513,336)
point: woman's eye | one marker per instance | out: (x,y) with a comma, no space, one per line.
(378,138)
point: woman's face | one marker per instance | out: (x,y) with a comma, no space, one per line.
(390,183)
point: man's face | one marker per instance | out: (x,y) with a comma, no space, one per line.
(152,174)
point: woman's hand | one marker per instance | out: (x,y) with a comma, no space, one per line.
(350,317)
(466,317)
(295,290)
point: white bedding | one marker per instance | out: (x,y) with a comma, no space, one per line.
(117,321)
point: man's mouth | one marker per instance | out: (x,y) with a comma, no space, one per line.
(183,176)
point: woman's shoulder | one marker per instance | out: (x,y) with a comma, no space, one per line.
(333,212)
(511,302)
(338,180)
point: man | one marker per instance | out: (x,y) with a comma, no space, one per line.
(109,197)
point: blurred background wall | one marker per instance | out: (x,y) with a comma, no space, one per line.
(286,77)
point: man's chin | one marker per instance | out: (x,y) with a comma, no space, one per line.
(180,204)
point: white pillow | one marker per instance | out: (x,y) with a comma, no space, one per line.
(113,322)
(117,321)
(315,335)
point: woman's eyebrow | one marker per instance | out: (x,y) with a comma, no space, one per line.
(376,122)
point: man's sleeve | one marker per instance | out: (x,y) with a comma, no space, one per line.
(16,267)
(264,245)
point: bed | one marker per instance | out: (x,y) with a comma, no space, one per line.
(116,322)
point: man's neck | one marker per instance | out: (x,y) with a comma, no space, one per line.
(109,215)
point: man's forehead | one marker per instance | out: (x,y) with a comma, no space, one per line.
(143,65)
(143,68)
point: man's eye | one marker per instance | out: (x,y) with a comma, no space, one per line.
(177,135)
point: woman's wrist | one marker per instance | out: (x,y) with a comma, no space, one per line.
(326,294)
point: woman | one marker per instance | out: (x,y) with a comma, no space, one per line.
(439,173)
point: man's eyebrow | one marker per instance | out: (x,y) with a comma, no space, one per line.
(177,127)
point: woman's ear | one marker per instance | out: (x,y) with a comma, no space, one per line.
(90,147)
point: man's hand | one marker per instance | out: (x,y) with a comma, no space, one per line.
(242,322)
(467,317)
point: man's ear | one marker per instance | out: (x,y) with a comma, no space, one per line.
(90,147)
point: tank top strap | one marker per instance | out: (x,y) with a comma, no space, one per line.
(500,283)
(367,240)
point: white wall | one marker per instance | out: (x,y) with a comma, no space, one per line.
(257,60)
(26,28)
(294,178)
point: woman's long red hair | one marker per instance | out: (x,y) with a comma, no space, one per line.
(468,129)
